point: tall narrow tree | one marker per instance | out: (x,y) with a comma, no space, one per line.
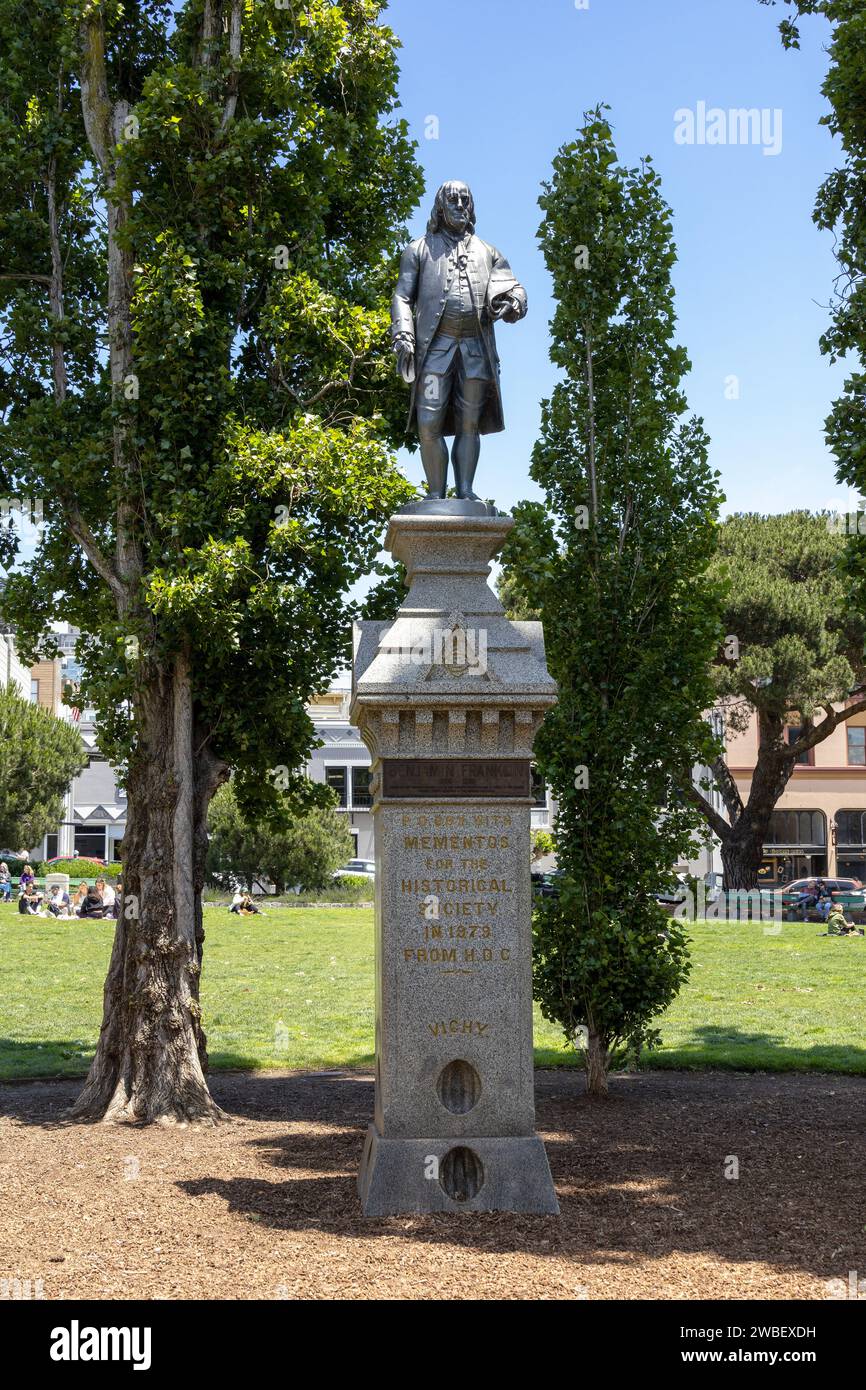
(201,207)
(614,563)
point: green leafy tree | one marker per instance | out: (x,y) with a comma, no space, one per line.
(202,205)
(304,850)
(513,597)
(614,561)
(840,208)
(791,656)
(39,756)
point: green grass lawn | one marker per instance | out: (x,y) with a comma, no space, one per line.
(295,989)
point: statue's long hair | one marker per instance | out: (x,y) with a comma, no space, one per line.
(436,221)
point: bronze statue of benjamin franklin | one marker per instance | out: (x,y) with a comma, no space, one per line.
(451,290)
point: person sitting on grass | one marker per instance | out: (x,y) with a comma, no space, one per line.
(58,902)
(78,899)
(29,903)
(92,905)
(243,904)
(5,882)
(106,892)
(27,876)
(838,925)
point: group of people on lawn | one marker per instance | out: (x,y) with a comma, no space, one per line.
(100,901)
(817,897)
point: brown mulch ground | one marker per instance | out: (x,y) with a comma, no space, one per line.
(265,1207)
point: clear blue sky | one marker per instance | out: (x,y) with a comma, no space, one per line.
(508,82)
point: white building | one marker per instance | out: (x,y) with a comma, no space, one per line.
(13,672)
(708,860)
(94,817)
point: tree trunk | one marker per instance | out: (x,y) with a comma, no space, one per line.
(150,1060)
(596,1066)
(742,853)
(743,846)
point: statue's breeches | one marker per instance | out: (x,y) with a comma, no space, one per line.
(443,355)
(453,386)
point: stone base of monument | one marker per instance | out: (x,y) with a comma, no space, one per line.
(448,698)
(399,1176)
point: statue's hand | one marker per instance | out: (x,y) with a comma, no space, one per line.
(405,360)
(506,306)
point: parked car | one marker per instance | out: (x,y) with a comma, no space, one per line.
(70,858)
(546,885)
(364,867)
(691,897)
(674,894)
(848,893)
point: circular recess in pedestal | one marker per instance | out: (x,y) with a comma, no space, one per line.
(459,1087)
(461,1174)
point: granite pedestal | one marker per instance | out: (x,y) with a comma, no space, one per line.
(449,698)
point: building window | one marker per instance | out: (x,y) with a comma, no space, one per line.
(857,745)
(806,759)
(34,691)
(90,841)
(851,829)
(361,797)
(539,789)
(337,780)
(797,829)
(851,844)
(50,846)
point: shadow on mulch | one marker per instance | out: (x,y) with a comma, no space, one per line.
(641,1175)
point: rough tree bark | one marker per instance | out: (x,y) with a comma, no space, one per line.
(597,1062)
(151,1056)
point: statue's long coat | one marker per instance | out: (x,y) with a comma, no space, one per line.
(427,268)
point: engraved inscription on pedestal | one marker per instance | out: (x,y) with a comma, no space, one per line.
(455,900)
